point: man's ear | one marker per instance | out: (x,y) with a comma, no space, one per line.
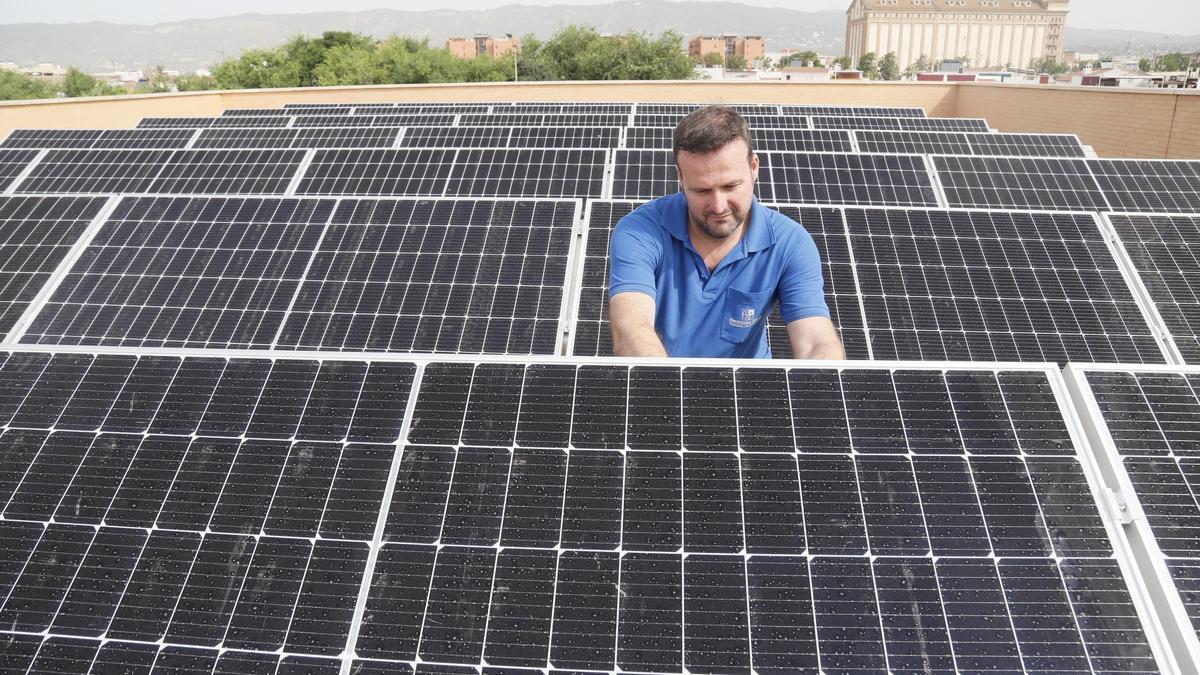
(754,166)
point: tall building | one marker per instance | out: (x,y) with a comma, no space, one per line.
(750,47)
(989,33)
(482,45)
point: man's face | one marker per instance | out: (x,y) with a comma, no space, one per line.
(719,187)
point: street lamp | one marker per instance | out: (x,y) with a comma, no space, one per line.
(516,50)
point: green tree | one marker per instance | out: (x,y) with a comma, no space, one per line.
(713,59)
(735,62)
(195,83)
(868,64)
(767,64)
(1145,65)
(78,83)
(1049,65)
(922,65)
(16,86)
(1166,63)
(809,58)
(843,62)
(344,65)
(159,82)
(889,67)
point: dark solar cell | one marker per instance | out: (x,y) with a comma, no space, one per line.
(377,172)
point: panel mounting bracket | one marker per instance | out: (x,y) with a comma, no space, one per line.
(1122,510)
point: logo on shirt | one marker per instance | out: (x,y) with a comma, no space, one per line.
(749,317)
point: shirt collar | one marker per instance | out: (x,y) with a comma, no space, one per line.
(761,234)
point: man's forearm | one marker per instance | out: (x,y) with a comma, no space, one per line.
(830,350)
(639,341)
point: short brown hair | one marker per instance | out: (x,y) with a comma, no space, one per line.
(709,129)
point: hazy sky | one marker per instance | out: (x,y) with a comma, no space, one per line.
(1165,16)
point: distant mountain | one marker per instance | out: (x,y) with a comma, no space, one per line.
(186,45)
(197,43)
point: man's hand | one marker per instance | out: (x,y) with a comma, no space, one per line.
(814,337)
(631,316)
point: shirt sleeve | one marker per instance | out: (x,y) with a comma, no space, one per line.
(802,287)
(635,253)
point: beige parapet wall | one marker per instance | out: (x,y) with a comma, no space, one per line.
(1118,123)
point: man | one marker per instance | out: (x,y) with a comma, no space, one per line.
(696,273)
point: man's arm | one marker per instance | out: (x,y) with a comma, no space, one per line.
(814,337)
(631,316)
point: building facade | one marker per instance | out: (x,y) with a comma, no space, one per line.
(482,45)
(750,47)
(989,33)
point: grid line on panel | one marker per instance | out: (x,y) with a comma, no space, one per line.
(504,119)
(185,272)
(851,111)
(1162,250)
(900,123)
(527,173)
(1051,184)
(87,171)
(1146,185)
(1004,286)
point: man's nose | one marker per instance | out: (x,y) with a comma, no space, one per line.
(720,202)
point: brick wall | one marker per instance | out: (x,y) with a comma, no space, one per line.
(1148,123)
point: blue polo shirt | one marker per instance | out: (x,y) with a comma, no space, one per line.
(723,313)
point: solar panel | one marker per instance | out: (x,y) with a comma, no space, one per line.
(448,276)
(432,108)
(682,109)
(96,171)
(98,138)
(914,142)
(269,112)
(1165,251)
(186,272)
(527,173)
(279,452)
(377,172)
(567,108)
(204,122)
(815,178)
(1032,145)
(756,121)
(553,515)
(228,172)
(1050,184)
(50,138)
(593,337)
(171,122)
(564,137)
(787,140)
(392,120)
(994,286)
(455,137)
(1171,186)
(35,235)
(851,111)
(12,163)
(901,123)
(310,137)
(1145,422)
(502,119)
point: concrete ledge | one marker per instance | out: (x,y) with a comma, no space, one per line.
(1151,123)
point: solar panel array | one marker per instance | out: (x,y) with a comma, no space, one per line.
(229,443)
